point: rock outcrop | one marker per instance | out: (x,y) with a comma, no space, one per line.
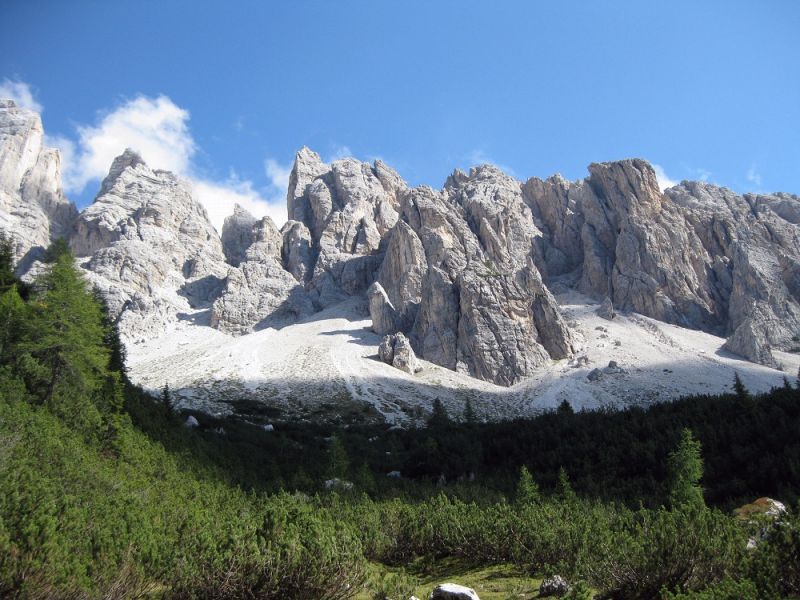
(33,209)
(385,318)
(453,591)
(476,301)
(347,207)
(237,235)
(553,586)
(259,292)
(606,310)
(697,255)
(149,247)
(462,274)
(396,350)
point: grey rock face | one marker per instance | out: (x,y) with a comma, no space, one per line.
(149,247)
(347,207)
(237,235)
(383,314)
(297,252)
(402,274)
(463,272)
(260,292)
(698,255)
(404,357)
(396,350)
(606,310)
(479,304)
(33,209)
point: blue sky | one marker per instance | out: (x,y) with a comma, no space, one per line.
(226,92)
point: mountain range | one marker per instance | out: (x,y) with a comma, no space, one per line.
(375,297)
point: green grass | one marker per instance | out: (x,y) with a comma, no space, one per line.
(495,582)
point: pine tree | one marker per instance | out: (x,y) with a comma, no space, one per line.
(565,408)
(7,278)
(739,389)
(686,471)
(339,461)
(67,361)
(166,399)
(527,489)
(469,413)
(111,338)
(12,323)
(56,250)
(564,489)
(439,416)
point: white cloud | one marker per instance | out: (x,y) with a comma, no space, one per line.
(338,153)
(158,130)
(479,157)
(20,92)
(753,176)
(219,199)
(664,181)
(278,174)
(702,174)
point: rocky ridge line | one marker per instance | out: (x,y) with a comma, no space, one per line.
(464,272)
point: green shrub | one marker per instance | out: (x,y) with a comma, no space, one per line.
(673,550)
(775,566)
(392,585)
(727,589)
(297,551)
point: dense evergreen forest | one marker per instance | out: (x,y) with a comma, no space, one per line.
(105,494)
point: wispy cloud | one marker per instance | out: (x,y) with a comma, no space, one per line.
(278,177)
(753,176)
(339,152)
(664,181)
(21,93)
(219,198)
(158,130)
(480,157)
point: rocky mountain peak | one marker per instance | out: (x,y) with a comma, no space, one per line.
(33,208)
(464,273)
(128,159)
(237,234)
(149,246)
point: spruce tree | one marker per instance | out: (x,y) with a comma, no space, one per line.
(469,413)
(527,489)
(564,490)
(7,278)
(13,319)
(339,461)
(565,408)
(111,338)
(67,361)
(166,400)
(439,416)
(738,387)
(686,471)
